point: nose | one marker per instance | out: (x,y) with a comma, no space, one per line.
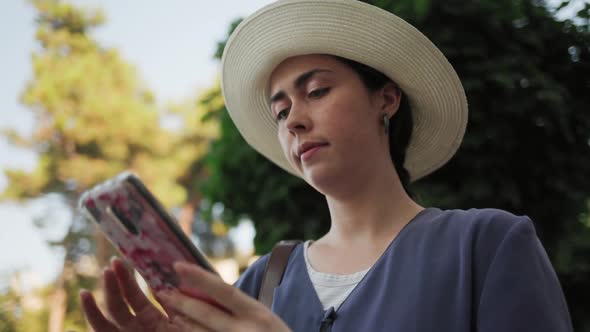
(298,119)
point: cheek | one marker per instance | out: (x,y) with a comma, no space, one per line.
(285,142)
(348,118)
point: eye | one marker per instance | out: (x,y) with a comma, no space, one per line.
(282,114)
(318,93)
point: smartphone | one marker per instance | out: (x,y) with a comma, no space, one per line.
(147,237)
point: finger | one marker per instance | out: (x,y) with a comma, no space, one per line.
(199,313)
(93,314)
(187,325)
(170,312)
(145,311)
(237,302)
(116,306)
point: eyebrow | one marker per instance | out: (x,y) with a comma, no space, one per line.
(299,82)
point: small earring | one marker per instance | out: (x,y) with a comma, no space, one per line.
(386,123)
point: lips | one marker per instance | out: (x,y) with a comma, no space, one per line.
(308,146)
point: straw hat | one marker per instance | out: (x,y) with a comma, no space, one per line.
(352,30)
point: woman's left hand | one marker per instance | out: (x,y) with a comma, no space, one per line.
(193,314)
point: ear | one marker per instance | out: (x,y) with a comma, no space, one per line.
(391,96)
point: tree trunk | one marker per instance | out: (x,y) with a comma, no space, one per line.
(57,310)
(103,249)
(187,216)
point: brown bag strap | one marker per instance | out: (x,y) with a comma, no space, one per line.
(274,270)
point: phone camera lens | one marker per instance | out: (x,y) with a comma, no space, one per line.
(129,225)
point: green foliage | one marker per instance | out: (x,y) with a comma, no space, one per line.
(93,119)
(75,320)
(194,138)
(526,149)
(18,311)
(527,145)
(221,45)
(16,315)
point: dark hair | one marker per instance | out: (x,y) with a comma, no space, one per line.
(400,125)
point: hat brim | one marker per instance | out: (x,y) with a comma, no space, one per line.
(356,31)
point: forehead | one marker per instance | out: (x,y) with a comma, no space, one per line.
(288,70)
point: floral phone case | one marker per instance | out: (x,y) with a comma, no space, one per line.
(141,229)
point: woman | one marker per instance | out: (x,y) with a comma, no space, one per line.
(358,103)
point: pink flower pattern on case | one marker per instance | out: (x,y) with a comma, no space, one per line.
(150,250)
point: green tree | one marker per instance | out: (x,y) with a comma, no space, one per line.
(526,150)
(21,311)
(94,119)
(191,145)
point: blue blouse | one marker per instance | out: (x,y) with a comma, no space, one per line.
(447,270)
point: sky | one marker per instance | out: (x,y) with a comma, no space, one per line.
(161,39)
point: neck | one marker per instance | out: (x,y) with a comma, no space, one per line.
(375,208)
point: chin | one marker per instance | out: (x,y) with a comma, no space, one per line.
(323,179)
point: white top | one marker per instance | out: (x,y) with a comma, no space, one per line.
(332,289)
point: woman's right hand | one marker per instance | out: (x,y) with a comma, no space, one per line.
(121,292)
